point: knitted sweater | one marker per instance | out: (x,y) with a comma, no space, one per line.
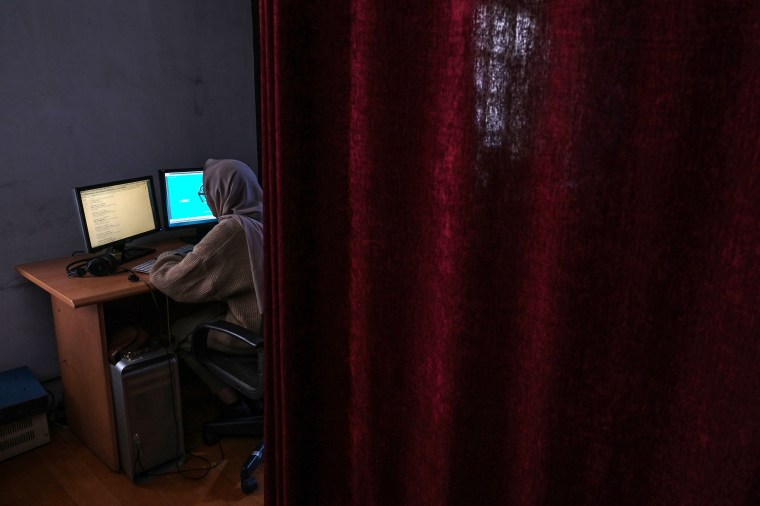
(218,269)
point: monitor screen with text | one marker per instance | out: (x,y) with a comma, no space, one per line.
(117,212)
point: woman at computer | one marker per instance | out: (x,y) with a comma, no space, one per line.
(225,268)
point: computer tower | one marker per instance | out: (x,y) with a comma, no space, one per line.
(148,411)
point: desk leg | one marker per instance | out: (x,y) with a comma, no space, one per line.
(86,377)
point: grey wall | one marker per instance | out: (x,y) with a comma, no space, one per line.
(98,90)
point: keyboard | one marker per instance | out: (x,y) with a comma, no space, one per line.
(145,266)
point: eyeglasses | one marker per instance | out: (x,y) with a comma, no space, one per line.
(201,195)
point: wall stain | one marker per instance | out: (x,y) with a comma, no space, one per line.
(16,284)
(10,184)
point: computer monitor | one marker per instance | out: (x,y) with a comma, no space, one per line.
(184,204)
(114,213)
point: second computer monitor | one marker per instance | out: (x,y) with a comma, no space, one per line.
(114,213)
(184,203)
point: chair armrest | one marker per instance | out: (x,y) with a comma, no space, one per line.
(232,369)
(200,336)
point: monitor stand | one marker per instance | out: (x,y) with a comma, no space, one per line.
(126,254)
(200,232)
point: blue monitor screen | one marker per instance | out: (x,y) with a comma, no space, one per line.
(184,202)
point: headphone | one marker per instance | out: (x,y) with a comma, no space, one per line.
(101,265)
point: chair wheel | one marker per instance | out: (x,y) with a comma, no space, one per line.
(210,439)
(249,485)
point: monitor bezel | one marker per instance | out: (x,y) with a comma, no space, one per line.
(207,224)
(120,243)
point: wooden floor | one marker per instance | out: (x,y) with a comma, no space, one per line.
(64,471)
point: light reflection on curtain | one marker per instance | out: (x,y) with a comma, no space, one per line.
(506,46)
(513,252)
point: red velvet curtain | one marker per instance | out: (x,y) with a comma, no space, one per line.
(513,252)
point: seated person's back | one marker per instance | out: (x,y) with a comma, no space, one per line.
(225,267)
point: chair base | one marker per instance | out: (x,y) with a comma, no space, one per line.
(250,426)
(215,430)
(247,482)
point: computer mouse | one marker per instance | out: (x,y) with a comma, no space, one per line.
(133,278)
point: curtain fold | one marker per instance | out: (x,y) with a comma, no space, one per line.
(512,252)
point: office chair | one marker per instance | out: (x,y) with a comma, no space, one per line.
(244,373)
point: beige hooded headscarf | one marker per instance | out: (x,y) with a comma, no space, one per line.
(233,192)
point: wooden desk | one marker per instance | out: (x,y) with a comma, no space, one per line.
(80,330)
